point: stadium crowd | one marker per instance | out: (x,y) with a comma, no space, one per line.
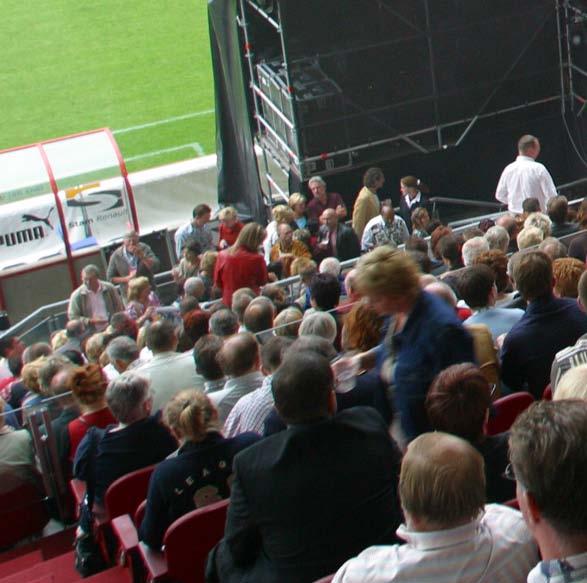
(346,422)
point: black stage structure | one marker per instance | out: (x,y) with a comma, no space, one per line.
(437,88)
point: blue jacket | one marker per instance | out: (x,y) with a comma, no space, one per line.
(549,325)
(431,340)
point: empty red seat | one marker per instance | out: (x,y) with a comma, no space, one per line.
(505,411)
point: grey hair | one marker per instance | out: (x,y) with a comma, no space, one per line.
(54,364)
(319,324)
(317,179)
(330,265)
(498,238)
(91,270)
(194,286)
(541,221)
(126,394)
(122,348)
(472,248)
(224,323)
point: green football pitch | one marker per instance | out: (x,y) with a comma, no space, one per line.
(139,67)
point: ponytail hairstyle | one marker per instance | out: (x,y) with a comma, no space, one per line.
(413,182)
(191,415)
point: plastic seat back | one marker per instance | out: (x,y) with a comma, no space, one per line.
(22,514)
(189,540)
(506,410)
(547,394)
(125,494)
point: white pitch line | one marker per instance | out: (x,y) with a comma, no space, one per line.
(159,122)
(194,146)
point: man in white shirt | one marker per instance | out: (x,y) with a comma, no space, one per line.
(168,371)
(525,178)
(450,534)
(548,460)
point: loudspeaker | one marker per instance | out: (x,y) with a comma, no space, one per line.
(338,84)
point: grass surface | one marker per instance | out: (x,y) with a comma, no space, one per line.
(69,66)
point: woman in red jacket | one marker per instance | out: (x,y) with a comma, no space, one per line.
(242,265)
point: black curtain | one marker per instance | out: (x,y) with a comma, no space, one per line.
(238,174)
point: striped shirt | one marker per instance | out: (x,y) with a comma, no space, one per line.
(567,359)
(250,412)
(495,548)
(568,570)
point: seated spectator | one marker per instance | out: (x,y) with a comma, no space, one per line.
(330,265)
(458,403)
(297,203)
(229,227)
(285,250)
(302,465)
(438,233)
(448,528)
(17,460)
(122,353)
(205,351)
(189,264)
(137,441)
(287,322)
(566,273)
(548,460)
(497,237)
(554,248)
(530,205)
(277,295)
(449,248)
(258,319)
(9,345)
(420,222)
(250,411)
(498,262)
(195,325)
(14,391)
(88,387)
(58,339)
(578,246)
(132,259)
(239,360)
(168,371)
(478,290)
(121,324)
(241,298)
(281,214)
(471,233)
(194,287)
(75,333)
(548,325)
(558,212)
(473,248)
(335,239)
(322,200)
(324,292)
(386,228)
(572,384)
(529,237)
(306,269)
(508,222)
(141,300)
(241,265)
(207,268)
(320,324)
(197,230)
(540,221)
(485,225)
(30,379)
(201,472)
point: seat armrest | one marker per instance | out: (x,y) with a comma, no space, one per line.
(126,533)
(154,562)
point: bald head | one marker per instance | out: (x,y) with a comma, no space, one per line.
(239,355)
(442,482)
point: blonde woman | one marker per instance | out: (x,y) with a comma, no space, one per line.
(200,474)
(297,203)
(230,227)
(141,300)
(242,265)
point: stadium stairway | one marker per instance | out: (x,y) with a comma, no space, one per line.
(51,560)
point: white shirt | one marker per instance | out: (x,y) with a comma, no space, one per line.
(377,232)
(412,201)
(98,307)
(170,373)
(234,389)
(522,179)
(250,411)
(568,570)
(495,548)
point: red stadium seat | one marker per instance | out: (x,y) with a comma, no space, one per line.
(505,411)
(547,394)
(187,544)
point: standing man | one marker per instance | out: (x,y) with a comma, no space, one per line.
(367,204)
(323,200)
(94,301)
(131,259)
(548,458)
(525,178)
(196,229)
